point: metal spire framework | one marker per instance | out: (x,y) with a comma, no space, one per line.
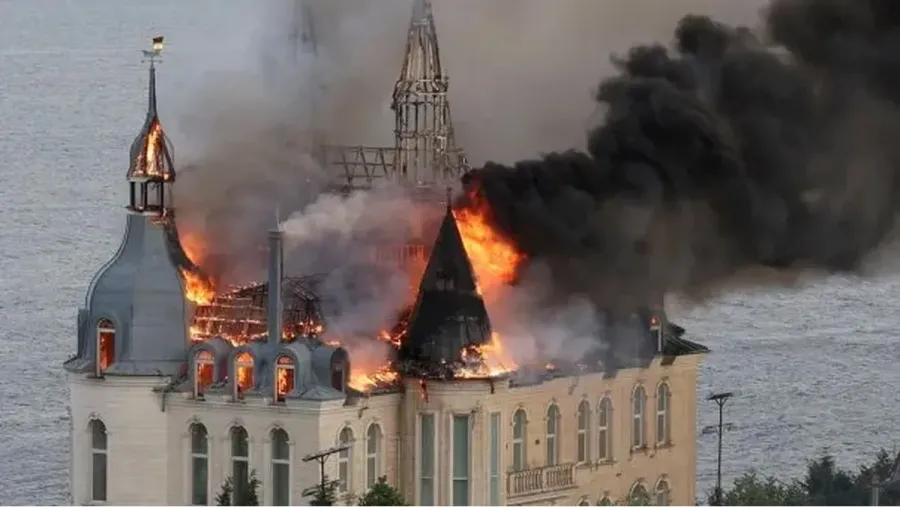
(425,153)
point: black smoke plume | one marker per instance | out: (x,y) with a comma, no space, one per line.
(730,158)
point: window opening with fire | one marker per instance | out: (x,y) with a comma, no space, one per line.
(284,375)
(243,372)
(204,369)
(106,345)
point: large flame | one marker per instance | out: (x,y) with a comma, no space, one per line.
(197,287)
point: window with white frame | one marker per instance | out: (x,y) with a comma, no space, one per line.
(662,492)
(243,372)
(552,435)
(662,413)
(373,455)
(584,429)
(106,345)
(284,377)
(494,468)
(344,461)
(281,467)
(520,431)
(240,458)
(199,464)
(98,460)
(638,403)
(426,467)
(604,429)
(204,371)
(638,495)
(461,459)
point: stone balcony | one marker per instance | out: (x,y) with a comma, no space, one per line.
(534,481)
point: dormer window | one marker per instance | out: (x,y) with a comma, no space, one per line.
(243,374)
(338,374)
(204,368)
(106,345)
(284,377)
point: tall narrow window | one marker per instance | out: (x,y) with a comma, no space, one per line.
(460,460)
(98,461)
(106,345)
(638,401)
(373,455)
(519,435)
(344,439)
(284,374)
(338,374)
(240,458)
(204,367)
(199,465)
(552,435)
(604,432)
(638,495)
(494,471)
(662,492)
(426,467)
(584,428)
(281,468)
(243,373)
(662,414)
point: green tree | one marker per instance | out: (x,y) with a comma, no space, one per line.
(752,489)
(382,493)
(324,493)
(240,493)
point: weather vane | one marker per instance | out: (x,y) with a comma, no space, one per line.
(155,51)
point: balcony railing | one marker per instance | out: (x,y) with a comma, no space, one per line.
(540,480)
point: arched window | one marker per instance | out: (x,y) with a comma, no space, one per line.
(106,345)
(552,433)
(373,455)
(662,492)
(662,414)
(199,465)
(284,373)
(583,501)
(344,461)
(604,430)
(204,368)
(638,495)
(281,468)
(605,501)
(338,373)
(520,422)
(98,460)
(243,374)
(584,428)
(240,458)
(638,402)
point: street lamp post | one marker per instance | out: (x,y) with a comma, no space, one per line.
(720,399)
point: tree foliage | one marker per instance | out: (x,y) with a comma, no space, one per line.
(823,484)
(382,493)
(240,493)
(324,493)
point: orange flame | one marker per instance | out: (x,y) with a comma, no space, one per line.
(494,258)
(197,287)
(488,360)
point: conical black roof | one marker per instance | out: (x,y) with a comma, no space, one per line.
(449,314)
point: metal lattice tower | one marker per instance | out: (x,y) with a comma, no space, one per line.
(427,154)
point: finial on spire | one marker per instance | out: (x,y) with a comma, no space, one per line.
(153,56)
(155,50)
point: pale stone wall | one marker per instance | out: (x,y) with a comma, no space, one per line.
(149,449)
(137,459)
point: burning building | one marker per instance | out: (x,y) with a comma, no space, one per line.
(176,386)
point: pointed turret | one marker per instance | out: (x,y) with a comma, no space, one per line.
(449,314)
(426,148)
(151,173)
(135,318)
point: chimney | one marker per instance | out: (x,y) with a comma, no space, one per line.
(276,267)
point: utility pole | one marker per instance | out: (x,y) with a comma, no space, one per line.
(720,399)
(321,457)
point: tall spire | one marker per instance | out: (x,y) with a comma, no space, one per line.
(302,33)
(151,172)
(426,149)
(449,315)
